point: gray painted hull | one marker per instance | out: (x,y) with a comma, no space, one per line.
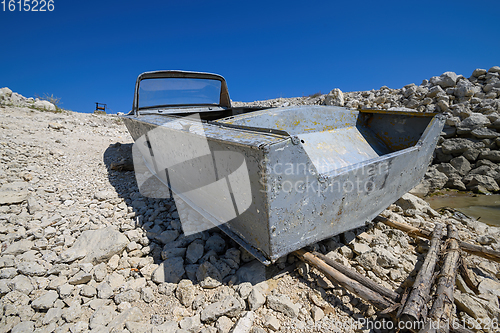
(313,171)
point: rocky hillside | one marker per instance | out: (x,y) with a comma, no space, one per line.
(82,251)
(467,156)
(9,98)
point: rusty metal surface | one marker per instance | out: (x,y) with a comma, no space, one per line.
(298,172)
(298,219)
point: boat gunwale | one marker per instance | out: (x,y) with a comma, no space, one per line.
(236,128)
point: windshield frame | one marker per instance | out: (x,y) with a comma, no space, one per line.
(224,100)
(165,91)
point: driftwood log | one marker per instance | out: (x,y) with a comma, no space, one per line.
(420,291)
(418,232)
(358,285)
(440,316)
(349,284)
(350,273)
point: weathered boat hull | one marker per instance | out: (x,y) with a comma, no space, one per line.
(279,179)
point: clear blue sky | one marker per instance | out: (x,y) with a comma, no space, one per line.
(92,51)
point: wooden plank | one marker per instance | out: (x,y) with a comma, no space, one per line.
(367,282)
(440,316)
(419,294)
(417,232)
(351,285)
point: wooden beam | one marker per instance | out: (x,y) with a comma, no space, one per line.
(440,316)
(351,285)
(477,250)
(367,282)
(419,295)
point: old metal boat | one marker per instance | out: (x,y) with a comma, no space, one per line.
(274,179)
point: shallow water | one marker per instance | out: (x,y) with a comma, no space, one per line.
(485,208)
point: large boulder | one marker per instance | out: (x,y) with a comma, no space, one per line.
(45,105)
(283,304)
(485,170)
(460,145)
(185,292)
(445,80)
(436,178)
(5,94)
(253,272)
(96,246)
(461,164)
(465,88)
(13,193)
(334,97)
(409,201)
(489,286)
(18,247)
(170,270)
(492,155)
(245,323)
(484,133)
(385,258)
(434,91)
(230,306)
(433,180)
(447,168)
(482,184)
(442,157)
(24,326)
(45,301)
(455,182)
(18,99)
(470,305)
(208,275)
(494,69)
(478,72)
(475,120)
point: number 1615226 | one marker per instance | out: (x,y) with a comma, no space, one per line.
(27,5)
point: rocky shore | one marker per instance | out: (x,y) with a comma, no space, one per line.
(83,251)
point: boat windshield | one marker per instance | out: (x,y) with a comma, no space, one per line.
(178,91)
